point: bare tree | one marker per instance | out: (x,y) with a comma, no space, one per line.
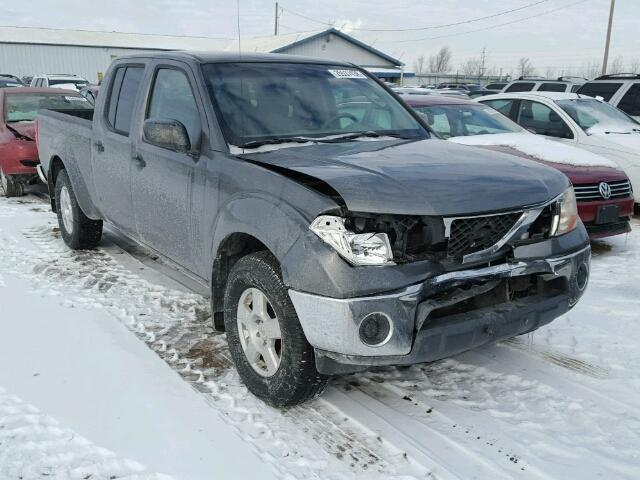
(550,72)
(634,65)
(441,61)
(591,69)
(472,67)
(525,68)
(419,65)
(617,65)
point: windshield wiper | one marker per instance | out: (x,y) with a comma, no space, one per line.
(277,141)
(356,135)
(327,139)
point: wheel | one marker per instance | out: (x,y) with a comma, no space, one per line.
(78,231)
(10,186)
(265,337)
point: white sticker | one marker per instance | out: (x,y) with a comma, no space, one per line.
(347,74)
(76,99)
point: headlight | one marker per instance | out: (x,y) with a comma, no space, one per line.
(566,219)
(356,248)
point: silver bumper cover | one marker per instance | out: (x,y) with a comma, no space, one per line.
(332,324)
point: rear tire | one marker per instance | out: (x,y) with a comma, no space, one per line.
(290,376)
(78,231)
(10,186)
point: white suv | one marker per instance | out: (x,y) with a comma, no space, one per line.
(621,90)
(539,84)
(578,120)
(72,82)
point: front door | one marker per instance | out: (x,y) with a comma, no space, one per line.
(164,181)
(112,147)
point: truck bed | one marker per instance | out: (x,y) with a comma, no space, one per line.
(65,134)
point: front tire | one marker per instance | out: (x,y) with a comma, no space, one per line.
(10,186)
(266,340)
(78,231)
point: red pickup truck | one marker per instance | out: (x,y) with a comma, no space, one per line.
(18,150)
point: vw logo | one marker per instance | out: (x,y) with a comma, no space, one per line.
(605,190)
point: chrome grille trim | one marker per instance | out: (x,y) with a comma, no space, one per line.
(588,192)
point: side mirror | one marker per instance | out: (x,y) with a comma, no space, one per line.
(167,133)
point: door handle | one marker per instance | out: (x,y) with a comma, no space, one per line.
(139,160)
(99,146)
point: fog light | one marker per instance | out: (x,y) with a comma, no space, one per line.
(582,276)
(375,329)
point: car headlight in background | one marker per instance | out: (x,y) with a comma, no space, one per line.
(356,248)
(566,219)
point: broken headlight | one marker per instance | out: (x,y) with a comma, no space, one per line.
(356,248)
(566,215)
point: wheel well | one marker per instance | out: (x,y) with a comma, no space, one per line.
(232,249)
(55,166)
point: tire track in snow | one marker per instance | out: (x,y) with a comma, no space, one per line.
(514,413)
(177,326)
(34,446)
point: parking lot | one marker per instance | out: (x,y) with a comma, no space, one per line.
(121,339)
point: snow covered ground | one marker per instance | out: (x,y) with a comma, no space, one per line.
(109,369)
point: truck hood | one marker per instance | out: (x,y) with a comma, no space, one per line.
(427,177)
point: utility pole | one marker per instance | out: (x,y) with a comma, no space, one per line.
(483,59)
(606,47)
(275,30)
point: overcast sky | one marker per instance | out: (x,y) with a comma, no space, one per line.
(565,40)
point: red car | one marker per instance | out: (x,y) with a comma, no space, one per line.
(18,150)
(603,193)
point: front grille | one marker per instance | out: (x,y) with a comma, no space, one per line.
(469,235)
(591,192)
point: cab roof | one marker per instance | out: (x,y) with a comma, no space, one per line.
(229,57)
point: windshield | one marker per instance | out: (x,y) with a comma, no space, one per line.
(593,115)
(465,120)
(24,107)
(258,102)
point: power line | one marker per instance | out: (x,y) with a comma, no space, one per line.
(487,28)
(432,27)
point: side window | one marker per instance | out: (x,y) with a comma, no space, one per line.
(503,106)
(630,103)
(521,87)
(172,98)
(122,98)
(606,90)
(542,120)
(553,87)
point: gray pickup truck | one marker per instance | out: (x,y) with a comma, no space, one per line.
(332,229)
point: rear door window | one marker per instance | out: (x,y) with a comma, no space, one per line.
(630,103)
(606,90)
(503,106)
(553,87)
(521,87)
(122,98)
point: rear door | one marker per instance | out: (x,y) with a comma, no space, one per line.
(112,146)
(167,183)
(630,101)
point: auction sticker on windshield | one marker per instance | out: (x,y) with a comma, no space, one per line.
(347,74)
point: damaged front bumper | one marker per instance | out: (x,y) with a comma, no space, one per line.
(443,315)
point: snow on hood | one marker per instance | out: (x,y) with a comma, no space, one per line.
(628,142)
(538,147)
